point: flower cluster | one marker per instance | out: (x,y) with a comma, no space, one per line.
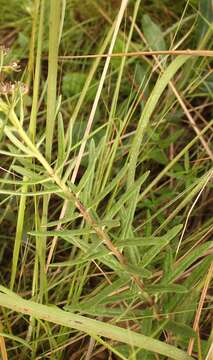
(14,66)
(7,87)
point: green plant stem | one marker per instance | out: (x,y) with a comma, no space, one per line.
(90,326)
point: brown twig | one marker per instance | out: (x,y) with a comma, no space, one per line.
(189,52)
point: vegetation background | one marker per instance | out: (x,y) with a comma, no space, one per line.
(105,186)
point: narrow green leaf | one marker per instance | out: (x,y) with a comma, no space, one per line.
(16,339)
(180,329)
(61,141)
(16,142)
(150,254)
(172,288)
(90,326)
(138,270)
(148,111)
(113,183)
(127,195)
(187,261)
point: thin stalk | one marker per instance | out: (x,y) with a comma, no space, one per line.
(71,122)
(90,326)
(54,33)
(22,204)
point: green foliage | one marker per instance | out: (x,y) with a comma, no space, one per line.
(153,34)
(105,185)
(73,84)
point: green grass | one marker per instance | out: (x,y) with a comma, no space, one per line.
(106,180)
